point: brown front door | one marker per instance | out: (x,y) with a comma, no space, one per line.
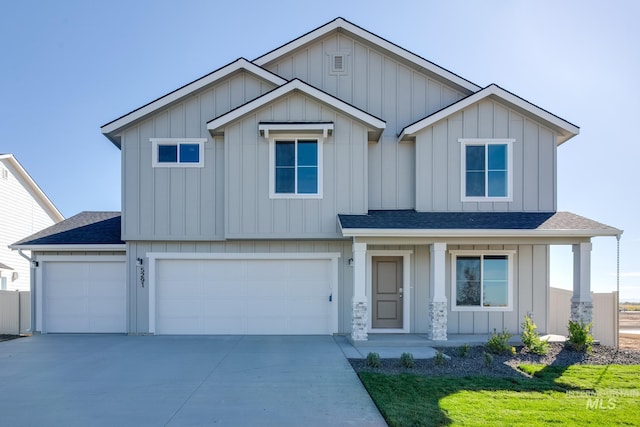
(386,297)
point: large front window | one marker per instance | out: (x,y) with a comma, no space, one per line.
(486,169)
(482,281)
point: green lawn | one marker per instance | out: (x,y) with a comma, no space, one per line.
(566,396)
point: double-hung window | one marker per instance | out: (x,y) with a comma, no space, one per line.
(296,168)
(481,281)
(177,152)
(487,169)
(295,158)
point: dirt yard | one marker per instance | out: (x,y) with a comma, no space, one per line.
(629,320)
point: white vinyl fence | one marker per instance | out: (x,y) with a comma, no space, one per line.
(605,315)
(15,312)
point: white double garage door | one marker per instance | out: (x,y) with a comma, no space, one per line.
(236,294)
(263,294)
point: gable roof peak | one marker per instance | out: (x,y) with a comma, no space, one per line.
(111,129)
(343,25)
(37,192)
(564,129)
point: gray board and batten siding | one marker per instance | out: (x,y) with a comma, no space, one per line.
(385,86)
(438,160)
(530,291)
(249,210)
(181,203)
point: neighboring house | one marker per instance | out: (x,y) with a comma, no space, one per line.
(24,210)
(337,184)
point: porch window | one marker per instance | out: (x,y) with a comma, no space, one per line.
(481,281)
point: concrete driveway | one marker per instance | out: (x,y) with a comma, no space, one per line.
(113,380)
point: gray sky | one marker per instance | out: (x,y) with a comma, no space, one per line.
(69,67)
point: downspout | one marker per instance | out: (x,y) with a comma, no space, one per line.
(618,291)
(32,288)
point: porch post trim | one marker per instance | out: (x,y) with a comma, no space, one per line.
(581,303)
(360,309)
(438,304)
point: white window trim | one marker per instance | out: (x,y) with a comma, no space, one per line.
(510,254)
(156,142)
(464,142)
(273,137)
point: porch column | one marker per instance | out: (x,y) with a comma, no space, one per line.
(359,302)
(438,303)
(581,304)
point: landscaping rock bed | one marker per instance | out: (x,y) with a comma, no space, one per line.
(503,365)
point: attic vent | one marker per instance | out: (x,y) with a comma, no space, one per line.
(5,174)
(339,63)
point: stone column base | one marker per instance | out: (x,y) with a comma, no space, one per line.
(582,311)
(437,321)
(359,321)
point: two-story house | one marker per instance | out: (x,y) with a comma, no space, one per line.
(337,184)
(24,210)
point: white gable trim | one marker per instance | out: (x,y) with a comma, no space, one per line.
(565,129)
(47,204)
(216,125)
(239,64)
(344,25)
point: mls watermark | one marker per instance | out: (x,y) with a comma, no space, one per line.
(606,399)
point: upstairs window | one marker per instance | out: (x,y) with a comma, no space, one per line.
(178,152)
(486,170)
(296,170)
(295,158)
(482,281)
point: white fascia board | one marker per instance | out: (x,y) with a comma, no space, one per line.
(214,126)
(87,248)
(54,213)
(347,26)
(440,233)
(568,130)
(239,64)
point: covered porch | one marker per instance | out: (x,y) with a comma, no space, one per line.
(405,279)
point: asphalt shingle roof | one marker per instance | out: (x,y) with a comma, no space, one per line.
(91,228)
(410,219)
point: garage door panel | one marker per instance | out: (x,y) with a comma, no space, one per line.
(84,297)
(271,296)
(303,269)
(309,289)
(276,289)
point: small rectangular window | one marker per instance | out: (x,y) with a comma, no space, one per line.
(178,152)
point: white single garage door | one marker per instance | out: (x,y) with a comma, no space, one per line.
(244,296)
(84,297)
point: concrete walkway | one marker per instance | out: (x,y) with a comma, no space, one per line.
(114,380)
